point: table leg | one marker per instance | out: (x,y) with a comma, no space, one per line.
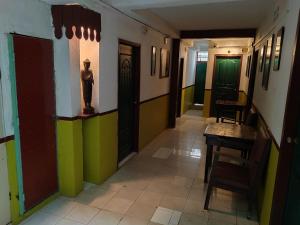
(208,161)
(240,117)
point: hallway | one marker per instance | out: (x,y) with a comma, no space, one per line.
(166,177)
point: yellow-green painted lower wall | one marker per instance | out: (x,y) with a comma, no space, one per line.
(187,99)
(70,157)
(13,180)
(265,195)
(267,190)
(100,147)
(206,105)
(207,101)
(153,119)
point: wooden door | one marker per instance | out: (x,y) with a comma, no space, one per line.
(226,79)
(36,110)
(4,189)
(128,99)
(200,82)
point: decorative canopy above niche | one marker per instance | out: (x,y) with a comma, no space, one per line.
(76,16)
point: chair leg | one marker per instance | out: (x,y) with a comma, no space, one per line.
(209,190)
(250,204)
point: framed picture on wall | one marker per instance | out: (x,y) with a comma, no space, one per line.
(164,63)
(262,58)
(278,48)
(267,63)
(153,60)
(248,66)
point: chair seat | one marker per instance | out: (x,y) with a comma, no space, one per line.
(230,175)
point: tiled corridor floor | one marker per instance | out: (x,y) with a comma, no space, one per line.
(165,178)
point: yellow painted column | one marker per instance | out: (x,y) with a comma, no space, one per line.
(70,157)
(100,141)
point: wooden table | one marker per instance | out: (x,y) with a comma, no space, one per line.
(227,135)
(230,105)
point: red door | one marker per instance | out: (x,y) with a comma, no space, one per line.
(36,108)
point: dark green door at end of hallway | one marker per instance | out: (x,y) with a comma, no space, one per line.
(200,82)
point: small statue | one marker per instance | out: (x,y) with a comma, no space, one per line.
(87,81)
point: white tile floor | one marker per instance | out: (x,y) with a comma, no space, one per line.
(172,180)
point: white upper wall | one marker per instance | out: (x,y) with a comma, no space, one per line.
(30,17)
(271,103)
(33,18)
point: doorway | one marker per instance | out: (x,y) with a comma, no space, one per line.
(200,82)
(128,98)
(226,79)
(36,113)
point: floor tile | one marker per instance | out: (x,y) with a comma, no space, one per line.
(129,220)
(141,210)
(106,218)
(174,203)
(41,218)
(150,198)
(162,216)
(191,219)
(59,207)
(162,153)
(118,205)
(68,222)
(129,194)
(82,213)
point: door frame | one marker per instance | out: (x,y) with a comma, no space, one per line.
(137,75)
(286,151)
(240,56)
(181,70)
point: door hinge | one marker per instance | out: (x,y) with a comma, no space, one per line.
(9,196)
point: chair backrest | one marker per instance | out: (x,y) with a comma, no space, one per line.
(252,118)
(259,156)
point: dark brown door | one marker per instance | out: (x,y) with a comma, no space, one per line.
(36,109)
(128,98)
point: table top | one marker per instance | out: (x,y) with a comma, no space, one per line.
(230,103)
(234,131)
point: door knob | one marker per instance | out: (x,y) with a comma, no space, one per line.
(289,140)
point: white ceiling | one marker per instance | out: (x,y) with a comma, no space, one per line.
(200,14)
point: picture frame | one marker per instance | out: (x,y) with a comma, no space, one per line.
(267,62)
(278,49)
(262,58)
(153,61)
(248,66)
(164,63)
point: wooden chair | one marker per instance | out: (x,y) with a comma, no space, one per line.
(242,178)
(251,119)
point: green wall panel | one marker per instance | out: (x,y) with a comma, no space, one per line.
(153,119)
(70,157)
(100,143)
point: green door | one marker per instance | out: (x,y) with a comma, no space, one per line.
(200,82)
(226,79)
(126,101)
(292,211)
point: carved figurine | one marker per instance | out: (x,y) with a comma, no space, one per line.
(87,81)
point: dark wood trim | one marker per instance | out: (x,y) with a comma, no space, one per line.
(154,98)
(174,83)
(136,48)
(180,81)
(188,86)
(207,89)
(7,139)
(240,56)
(219,33)
(85,117)
(126,42)
(290,127)
(266,126)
